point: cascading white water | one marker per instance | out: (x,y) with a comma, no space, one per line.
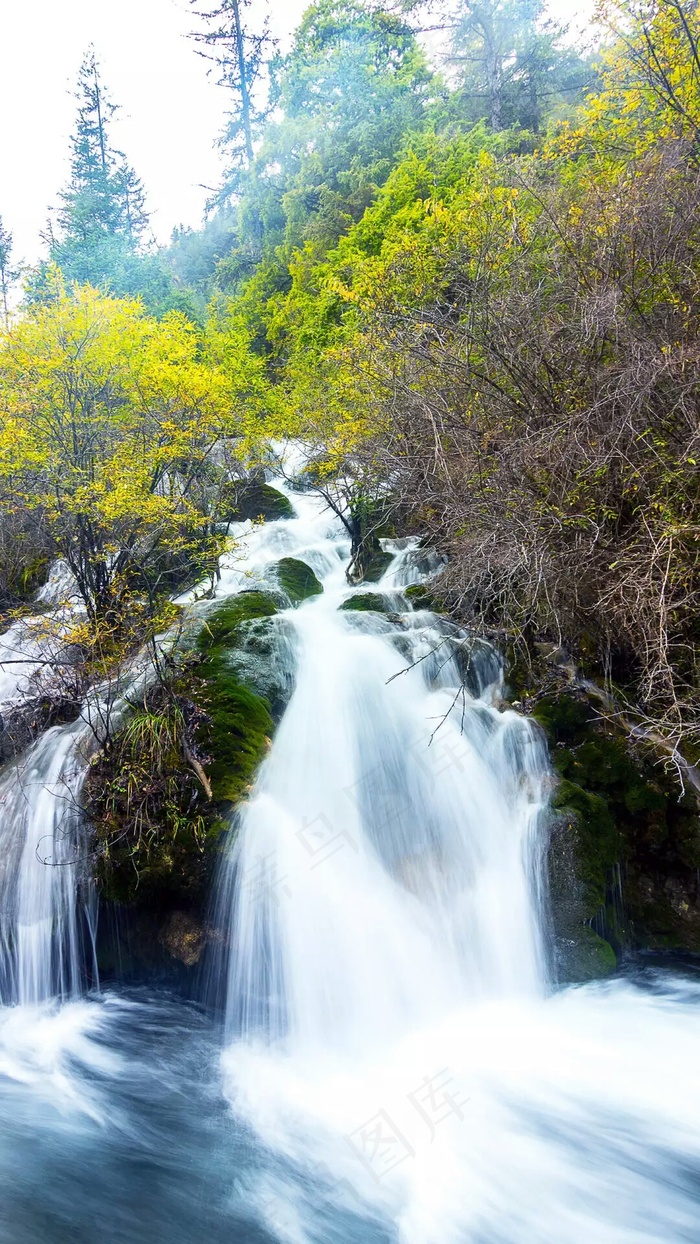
(42,951)
(388,860)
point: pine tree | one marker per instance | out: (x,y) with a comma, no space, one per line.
(7,275)
(512,61)
(238,57)
(102,217)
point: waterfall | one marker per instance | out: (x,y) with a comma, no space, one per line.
(388,863)
(398,1065)
(386,880)
(42,922)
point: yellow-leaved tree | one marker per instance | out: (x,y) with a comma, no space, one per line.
(110,425)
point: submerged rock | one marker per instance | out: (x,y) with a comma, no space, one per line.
(584,957)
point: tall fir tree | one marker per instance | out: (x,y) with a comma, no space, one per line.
(102,218)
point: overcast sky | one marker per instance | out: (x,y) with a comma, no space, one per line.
(170,111)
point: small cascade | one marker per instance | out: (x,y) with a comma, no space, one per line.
(42,922)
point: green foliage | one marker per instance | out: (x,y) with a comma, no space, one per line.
(152,823)
(297,580)
(507,337)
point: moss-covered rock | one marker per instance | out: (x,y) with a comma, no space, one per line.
(599,841)
(636,837)
(160,793)
(297,580)
(376,565)
(250,499)
(371,602)
(585,957)
(151,811)
(237,723)
(223,623)
(420,597)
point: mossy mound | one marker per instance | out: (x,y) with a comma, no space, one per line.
(222,625)
(160,794)
(297,580)
(154,825)
(237,723)
(370,602)
(250,499)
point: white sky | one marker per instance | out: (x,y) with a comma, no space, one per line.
(170,111)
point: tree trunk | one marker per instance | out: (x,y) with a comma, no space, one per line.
(242,73)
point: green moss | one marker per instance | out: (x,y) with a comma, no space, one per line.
(586,958)
(223,624)
(150,809)
(237,731)
(624,808)
(372,602)
(250,499)
(420,597)
(237,722)
(158,833)
(297,580)
(598,839)
(565,718)
(32,577)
